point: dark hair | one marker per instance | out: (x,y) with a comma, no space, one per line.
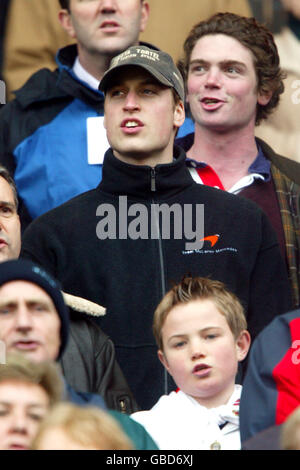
(255,37)
(65,4)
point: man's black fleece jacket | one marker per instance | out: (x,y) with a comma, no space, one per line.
(130,276)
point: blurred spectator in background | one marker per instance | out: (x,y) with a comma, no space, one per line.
(171,20)
(33,34)
(32,37)
(70,427)
(52,138)
(3,17)
(282,129)
(10,228)
(290,432)
(27,390)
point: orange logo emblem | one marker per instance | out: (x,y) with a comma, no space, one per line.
(212,239)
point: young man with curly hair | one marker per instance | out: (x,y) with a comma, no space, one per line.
(233,82)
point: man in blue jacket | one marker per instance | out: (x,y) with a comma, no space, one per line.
(50,133)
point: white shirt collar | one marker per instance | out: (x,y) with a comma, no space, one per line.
(244,182)
(85,76)
(237,187)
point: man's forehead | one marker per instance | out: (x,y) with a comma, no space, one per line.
(208,47)
(132,73)
(138,4)
(31,393)
(6,192)
(19,288)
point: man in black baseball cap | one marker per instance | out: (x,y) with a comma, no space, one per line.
(158,63)
(143,106)
(123,244)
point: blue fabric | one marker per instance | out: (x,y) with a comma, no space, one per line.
(40,170)
(261,165)
(187,127)
(80,398)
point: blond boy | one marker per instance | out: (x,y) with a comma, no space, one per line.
(200,329)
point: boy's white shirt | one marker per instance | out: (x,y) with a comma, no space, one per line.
(178,422)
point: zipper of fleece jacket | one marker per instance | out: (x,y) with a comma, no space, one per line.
(161,260)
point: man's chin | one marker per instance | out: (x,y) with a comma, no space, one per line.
(33,355)
(112,46)
(132,153)
(5,255)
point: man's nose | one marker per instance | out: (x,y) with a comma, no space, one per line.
(213,78)
(107,6)
(197,349)
(131,102)
(19,423)
(2,223)
(23,318)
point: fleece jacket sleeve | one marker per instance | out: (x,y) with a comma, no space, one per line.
(270,292)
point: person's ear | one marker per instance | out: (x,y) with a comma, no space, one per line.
(243,344)
(65,20)
(163,359)
(263,98)
(144,16)
(179,114)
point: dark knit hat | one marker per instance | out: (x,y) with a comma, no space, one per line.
(17,270)
(158,63)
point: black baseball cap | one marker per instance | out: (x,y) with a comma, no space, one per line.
(158,63)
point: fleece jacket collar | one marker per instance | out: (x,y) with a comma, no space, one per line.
(145,182)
